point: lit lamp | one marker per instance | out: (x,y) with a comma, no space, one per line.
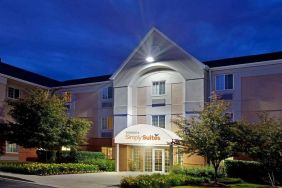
(150,59)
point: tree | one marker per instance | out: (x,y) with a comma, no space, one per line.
(41,121)
(262,141)
(210,135)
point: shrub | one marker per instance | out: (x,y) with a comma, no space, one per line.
(68,156)
(160,181)
(249,171)
(207,172)
(103,164)
(46,169)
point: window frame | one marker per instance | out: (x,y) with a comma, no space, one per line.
(105,91)
(152,91)
(158,120)
(14,88)
(13,152)
(224,89)
(106,119)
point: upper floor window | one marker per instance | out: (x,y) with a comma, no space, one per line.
(11,147)
(107,93)
(107,123)
(67,96)
(158,88)
(13,93)
(224,82)
(158,121)
(229,116)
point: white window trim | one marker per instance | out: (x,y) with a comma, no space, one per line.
(107,129)
(224,82)
(6,148)
(102,93)
(7,93)
(158,95)
(159,120)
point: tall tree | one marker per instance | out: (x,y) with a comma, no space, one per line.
(210,135)
(41,121)
(262,141)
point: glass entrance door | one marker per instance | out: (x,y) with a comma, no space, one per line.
(158,160)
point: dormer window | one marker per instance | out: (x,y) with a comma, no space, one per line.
(158,88)
(13,93)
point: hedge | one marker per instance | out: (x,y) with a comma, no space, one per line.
(68,156)
(207,172)
(103,164)
(160,181)
(249,171)
(47,168)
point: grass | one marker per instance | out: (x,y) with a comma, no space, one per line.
(241,185)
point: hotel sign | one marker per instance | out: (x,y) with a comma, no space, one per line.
(136,136)
(144,134)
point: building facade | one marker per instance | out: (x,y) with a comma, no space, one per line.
(132,110)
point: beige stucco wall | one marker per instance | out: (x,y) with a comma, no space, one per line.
(261,94)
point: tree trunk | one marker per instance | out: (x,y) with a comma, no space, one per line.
(215,166)
(271,178)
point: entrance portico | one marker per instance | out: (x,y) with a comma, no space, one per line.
(145,147)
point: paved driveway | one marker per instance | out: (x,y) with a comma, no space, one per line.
(91,180)
(8,183)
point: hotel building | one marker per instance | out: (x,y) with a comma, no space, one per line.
(132,110)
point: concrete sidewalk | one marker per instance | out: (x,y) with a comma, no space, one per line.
(90,180)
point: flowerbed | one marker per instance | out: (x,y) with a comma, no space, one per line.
(161,181)
(47,168)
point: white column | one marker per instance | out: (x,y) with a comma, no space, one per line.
(117,158)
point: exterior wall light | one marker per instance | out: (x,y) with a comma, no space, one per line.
(150,59)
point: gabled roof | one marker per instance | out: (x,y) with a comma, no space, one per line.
(95,79)
(147,37)
(26,75)
(244,59)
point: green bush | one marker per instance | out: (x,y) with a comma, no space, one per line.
(68,156)
(161,181)
(207,172)
(103,164)
(249,171)
(46,168)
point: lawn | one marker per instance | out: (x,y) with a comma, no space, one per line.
(245,185)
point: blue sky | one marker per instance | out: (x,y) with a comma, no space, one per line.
(68,39)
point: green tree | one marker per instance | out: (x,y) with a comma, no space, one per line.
(210,135)
(41,121)
(262,141)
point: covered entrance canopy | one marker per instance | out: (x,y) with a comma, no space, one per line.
(148,145)
(144,134)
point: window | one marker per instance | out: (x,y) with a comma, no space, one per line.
(224,82)
(107,123)
(13,93)
(229,116)
(108,152)
(67,96)
(11,147)
(107,93)
(158,88)
(158,121)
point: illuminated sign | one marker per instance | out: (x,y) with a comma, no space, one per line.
(136,136)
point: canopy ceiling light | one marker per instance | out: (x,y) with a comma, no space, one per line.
(150,59)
